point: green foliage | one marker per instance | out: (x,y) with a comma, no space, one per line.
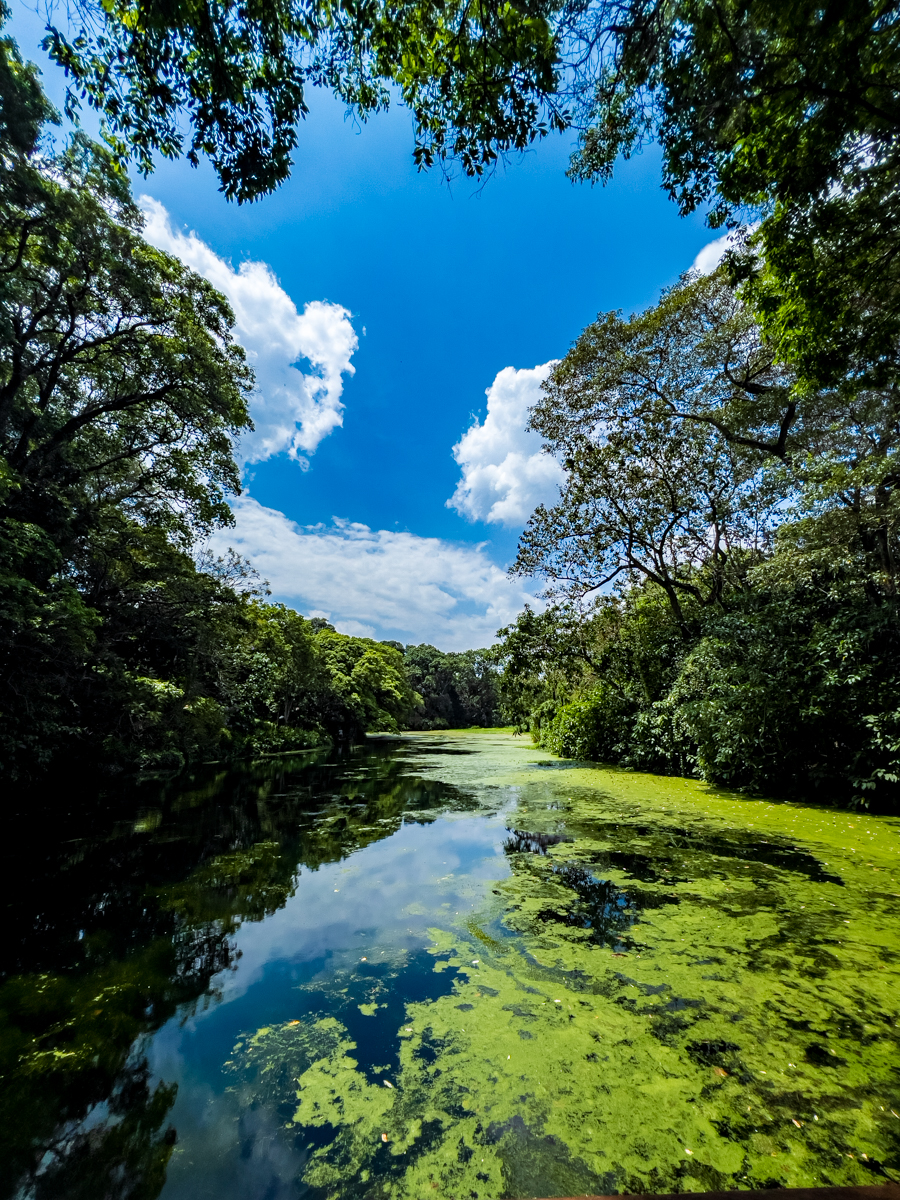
(47,633)
(369,679)
(783,112)
(479,82)
(786,111)
(458,690)
(541,656)
(121,385)
(593,727)
(752,533)
(795,692)
(121,390)
(791,691)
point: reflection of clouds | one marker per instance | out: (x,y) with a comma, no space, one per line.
(446,861)
(225,1142)
(389,894)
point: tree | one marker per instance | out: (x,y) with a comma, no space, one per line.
(698,356)
(783,112)
(649,417)
(684,439)
(479,80)
(788,112)
(458,690)
(121,384)
(121,388)
(544,656)
(370,681)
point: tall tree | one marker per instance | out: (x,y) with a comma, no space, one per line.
(121,388)
(786,111)
(680,429)
(662,423)
(120,383)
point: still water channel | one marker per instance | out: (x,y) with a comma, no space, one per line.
(451,966)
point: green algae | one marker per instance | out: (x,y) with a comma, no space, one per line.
(696,991)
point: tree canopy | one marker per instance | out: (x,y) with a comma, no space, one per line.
(781,113)
(479,80)
(788,113)
(458,690)
(121,379)
(121,391)
(685,443)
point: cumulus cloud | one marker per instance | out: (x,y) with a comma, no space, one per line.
(505,474)
(376,582)
(713,252)
(292,411)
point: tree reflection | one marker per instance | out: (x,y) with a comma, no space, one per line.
(114,934)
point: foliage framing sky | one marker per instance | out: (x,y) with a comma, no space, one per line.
(400,326)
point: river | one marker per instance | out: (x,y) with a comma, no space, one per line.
(445,965)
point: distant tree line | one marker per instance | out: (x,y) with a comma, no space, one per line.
(458,690)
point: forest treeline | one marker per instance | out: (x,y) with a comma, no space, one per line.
(721,565)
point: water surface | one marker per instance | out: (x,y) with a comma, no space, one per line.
(448,965)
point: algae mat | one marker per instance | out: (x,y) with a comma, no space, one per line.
(658,988)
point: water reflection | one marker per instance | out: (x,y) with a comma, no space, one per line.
(523,842)
(110,935)
(420,968)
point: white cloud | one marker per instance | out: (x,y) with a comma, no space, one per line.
(292,411)
(713,253)
(505,474)
(374,582)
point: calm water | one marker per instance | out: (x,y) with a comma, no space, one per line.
(446,965)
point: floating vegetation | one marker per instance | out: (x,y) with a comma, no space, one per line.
(663,1009)
(466,978)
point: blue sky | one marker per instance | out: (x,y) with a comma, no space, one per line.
(442,287)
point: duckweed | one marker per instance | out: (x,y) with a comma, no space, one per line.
(451,965)
(672,989)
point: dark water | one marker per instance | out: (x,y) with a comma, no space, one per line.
(427,968)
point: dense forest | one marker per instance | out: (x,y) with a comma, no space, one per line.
(721,567)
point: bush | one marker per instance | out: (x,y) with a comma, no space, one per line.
(797,696)
(596,726)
